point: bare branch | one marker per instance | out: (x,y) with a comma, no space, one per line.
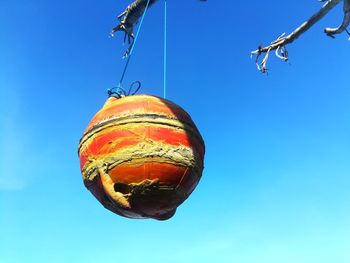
(280,43)
(346,21)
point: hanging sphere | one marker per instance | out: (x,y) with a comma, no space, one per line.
(141,156)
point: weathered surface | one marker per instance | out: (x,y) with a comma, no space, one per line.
(141,156)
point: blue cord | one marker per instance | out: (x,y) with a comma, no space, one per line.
(124,71)
(165,48)
(138,30)
(132,47)
(119,91)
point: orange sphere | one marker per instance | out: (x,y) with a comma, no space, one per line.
(141,156)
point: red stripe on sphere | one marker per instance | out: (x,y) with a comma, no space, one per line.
(141,156)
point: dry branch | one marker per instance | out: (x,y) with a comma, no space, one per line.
(346,21)
(280,43)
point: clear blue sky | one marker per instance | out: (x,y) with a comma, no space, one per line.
(277,171)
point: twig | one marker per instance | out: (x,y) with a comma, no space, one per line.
(280,43)
(346,21)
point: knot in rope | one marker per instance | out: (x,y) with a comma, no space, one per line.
(118,92)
